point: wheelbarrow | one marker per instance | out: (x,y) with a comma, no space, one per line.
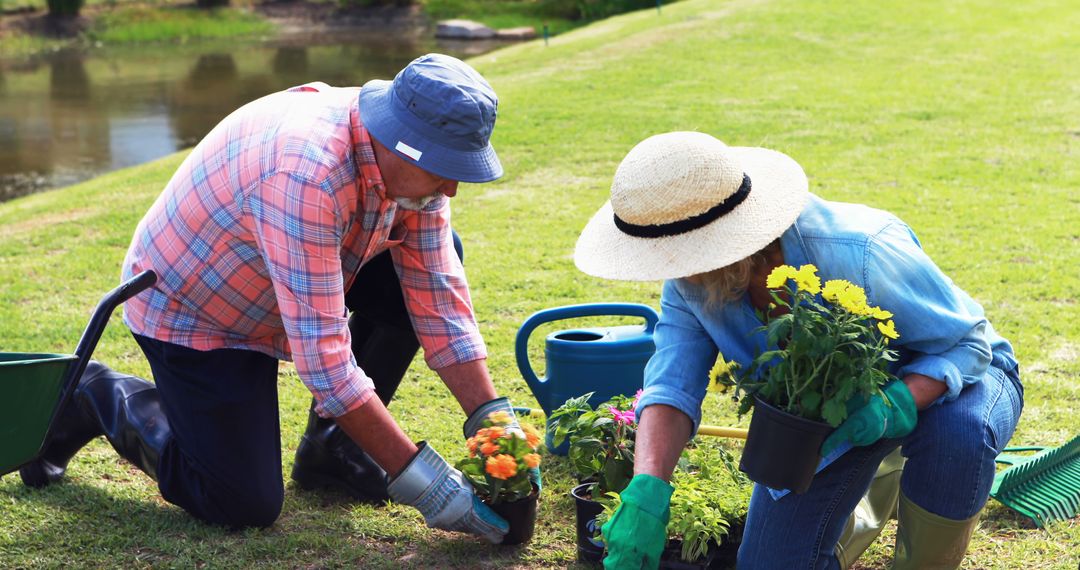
(36,386)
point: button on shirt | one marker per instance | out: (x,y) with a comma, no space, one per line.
(944,333)
(262,229)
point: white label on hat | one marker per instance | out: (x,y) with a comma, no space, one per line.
(408,151)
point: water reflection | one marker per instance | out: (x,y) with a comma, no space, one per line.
(73,115)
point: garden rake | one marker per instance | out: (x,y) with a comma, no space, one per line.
(1044,487)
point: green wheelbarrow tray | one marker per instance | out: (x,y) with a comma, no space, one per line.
(1044,487)
(35,387)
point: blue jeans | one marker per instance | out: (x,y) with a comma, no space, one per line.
(949,472)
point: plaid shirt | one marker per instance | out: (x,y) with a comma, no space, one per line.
(262,229)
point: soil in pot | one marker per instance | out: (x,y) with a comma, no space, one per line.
(521,514)
(589,547)
(782,450)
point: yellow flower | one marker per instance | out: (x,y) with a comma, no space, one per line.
(532,460)
(854,300)
(807,280)
(501,466)
(880,314)
(833,289)
(723,369)
(499,417)
(779,276)
(888,329)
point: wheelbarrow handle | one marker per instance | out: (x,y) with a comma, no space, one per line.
(94,329)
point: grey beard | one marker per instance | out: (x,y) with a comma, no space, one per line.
(414,204)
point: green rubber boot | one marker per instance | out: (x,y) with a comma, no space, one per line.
(874,510)
(926,541)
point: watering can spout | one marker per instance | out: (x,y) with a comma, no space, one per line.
(605,361)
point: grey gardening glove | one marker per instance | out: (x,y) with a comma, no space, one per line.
(445,498)
(476,421)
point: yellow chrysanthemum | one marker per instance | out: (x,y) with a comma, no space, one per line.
(880,314)
(888,328)
(854,300)
(833,289)
(722,368)
(501,466)
(499,417)
(807,280)
(779,276)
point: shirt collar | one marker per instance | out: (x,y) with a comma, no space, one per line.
(364,154)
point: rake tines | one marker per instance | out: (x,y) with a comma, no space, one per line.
(1045,487)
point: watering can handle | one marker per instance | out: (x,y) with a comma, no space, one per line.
(521,343)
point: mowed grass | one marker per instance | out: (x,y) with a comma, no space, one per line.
(964,119)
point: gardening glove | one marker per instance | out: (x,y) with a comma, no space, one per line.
(887,415)
(445,498)
(476,421)
(636,533)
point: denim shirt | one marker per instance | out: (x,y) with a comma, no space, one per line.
(944,333)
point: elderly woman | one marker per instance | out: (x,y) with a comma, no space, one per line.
(712,221)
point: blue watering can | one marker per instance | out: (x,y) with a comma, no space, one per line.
(605,361)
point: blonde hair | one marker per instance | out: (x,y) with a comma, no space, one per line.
(729,283)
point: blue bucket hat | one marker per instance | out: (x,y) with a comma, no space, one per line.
(438,113)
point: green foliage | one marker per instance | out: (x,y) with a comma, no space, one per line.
(821,352)
(601,443)
(64,8)
(376,2)
(710,494)
(205,4)
(144,24)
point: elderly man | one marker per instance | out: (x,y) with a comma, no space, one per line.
(297,209)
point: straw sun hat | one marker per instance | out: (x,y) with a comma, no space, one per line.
(685,203)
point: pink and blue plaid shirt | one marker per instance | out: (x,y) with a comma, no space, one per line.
(262,229)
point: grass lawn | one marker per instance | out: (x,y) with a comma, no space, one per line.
(963,118)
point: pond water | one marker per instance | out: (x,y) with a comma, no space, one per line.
(75,114)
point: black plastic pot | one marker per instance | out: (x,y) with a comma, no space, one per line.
(521,514)
(782,450)
(670,560)
(589,547)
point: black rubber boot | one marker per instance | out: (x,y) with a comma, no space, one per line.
(129,411)
(327,457)
(123,408)
(72,430)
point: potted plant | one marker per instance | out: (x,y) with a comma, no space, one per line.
(708,509)
(498,468)
(824,346)
(601,452)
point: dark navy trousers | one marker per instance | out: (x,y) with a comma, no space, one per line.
(223,462)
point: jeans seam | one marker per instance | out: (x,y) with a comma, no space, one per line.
(831,509)
(988,427)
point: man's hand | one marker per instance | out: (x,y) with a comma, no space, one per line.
(476,419)
(445,498)
(887,415)
(636,533)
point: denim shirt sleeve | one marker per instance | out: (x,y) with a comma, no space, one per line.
(942,330)
(677,374)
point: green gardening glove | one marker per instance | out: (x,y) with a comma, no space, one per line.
(887,415)
(636,533)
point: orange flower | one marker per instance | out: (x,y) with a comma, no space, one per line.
(489,448)
(501,466)
(473,444)
(532,460)
(496,432)
(532,439)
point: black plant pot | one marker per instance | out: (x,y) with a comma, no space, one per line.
(670,559)
(521,514)
(589,547)
(782,450)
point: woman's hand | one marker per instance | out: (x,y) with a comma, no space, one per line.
(636,533)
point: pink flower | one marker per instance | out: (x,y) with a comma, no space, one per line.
(622,417)
(637,397)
